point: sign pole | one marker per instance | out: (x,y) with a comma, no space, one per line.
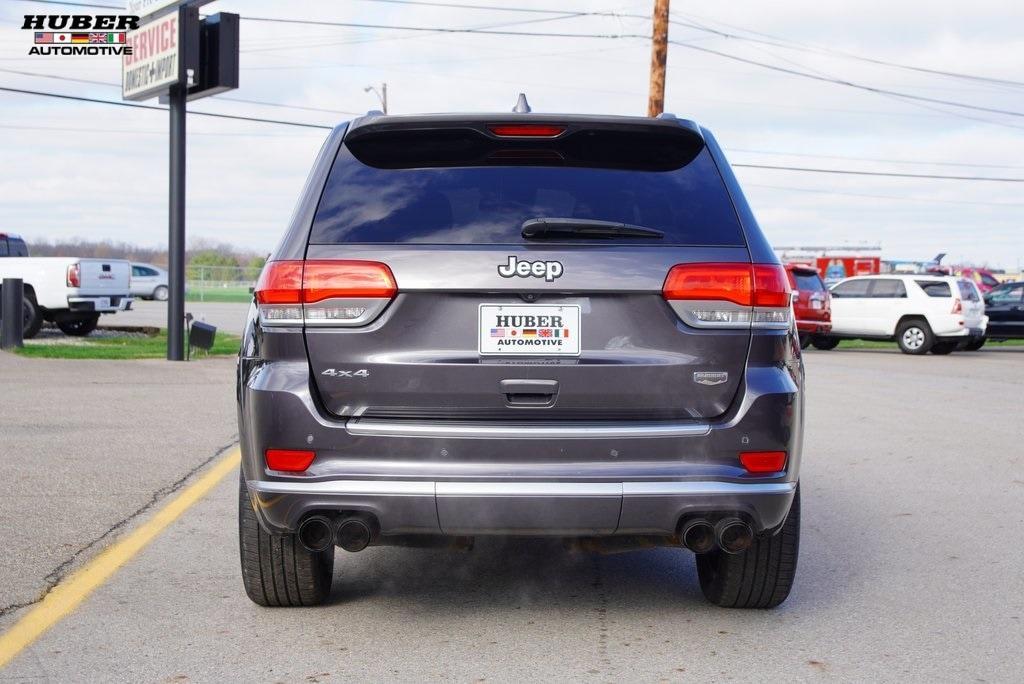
(176,211)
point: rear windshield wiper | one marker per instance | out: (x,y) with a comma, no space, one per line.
(543,228)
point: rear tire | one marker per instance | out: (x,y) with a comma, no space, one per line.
(78,326)
(276,570)
(943,348)
(805,340)
(914,336)
(160,294)
(975,345)
(824,342)
(761,576)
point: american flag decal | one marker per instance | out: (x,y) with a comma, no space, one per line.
(497,332)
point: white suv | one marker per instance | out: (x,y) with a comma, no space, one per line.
(921,313)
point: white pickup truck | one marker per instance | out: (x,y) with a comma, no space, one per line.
(71,292)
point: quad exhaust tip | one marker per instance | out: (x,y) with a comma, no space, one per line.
(698,536)
(353,534)
(733,535)
(730,534)
(320,532)
(316,533)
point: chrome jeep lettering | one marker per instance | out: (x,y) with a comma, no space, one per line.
(548,270)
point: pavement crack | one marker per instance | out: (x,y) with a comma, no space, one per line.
(54,577)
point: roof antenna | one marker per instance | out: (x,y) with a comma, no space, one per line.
(522,106)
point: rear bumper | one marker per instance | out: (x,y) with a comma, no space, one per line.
(533,508)
(99,304)
(529,478)
(814,327)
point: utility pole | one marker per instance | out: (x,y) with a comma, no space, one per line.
(659,55)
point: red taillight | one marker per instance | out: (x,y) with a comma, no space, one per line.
(747,295)
(74,278)
(526,130)
(763,461)
(771,286)
(743,284)
(364,279)
(289,460)
(280,283)
(713,282)
(958,306)
(323,292)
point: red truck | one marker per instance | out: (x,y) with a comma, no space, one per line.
(812,304)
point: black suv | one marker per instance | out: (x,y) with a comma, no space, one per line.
(521,324)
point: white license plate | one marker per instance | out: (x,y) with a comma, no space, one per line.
(102,303)
(530,330)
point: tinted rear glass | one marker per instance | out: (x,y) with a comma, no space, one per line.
(809,282)
(935,288)
(488,203)
(967,291)
(888,289)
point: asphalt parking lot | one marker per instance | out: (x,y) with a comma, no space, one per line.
(227,316)
(911,563)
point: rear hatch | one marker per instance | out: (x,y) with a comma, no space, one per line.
(521,273)
(972,303)
(103,276)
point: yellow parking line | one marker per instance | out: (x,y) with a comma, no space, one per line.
(66,596)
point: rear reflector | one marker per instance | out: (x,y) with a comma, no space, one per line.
(728,295)
(289,460)
(323,292)
(526,130)
(763,461)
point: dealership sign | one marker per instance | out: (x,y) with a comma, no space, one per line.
(153,64)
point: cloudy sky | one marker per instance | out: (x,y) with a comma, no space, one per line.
(76,169)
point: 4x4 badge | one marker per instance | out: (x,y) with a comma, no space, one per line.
(548,270)
(710,377)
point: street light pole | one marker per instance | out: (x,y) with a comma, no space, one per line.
(381,94)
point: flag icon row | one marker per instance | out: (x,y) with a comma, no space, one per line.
(102,38)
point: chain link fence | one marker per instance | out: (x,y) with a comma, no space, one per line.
(220,283)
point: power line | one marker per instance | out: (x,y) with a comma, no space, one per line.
(131,105)
(445,29)
(844,82)
(885,197)
(877,173)
(109,84)
(305,125)
(794,45)
(871,159)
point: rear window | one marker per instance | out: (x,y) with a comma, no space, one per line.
(454,202)
(808,282)
(968,292)
(935,288)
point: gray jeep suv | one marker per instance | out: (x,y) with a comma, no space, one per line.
(521,324)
